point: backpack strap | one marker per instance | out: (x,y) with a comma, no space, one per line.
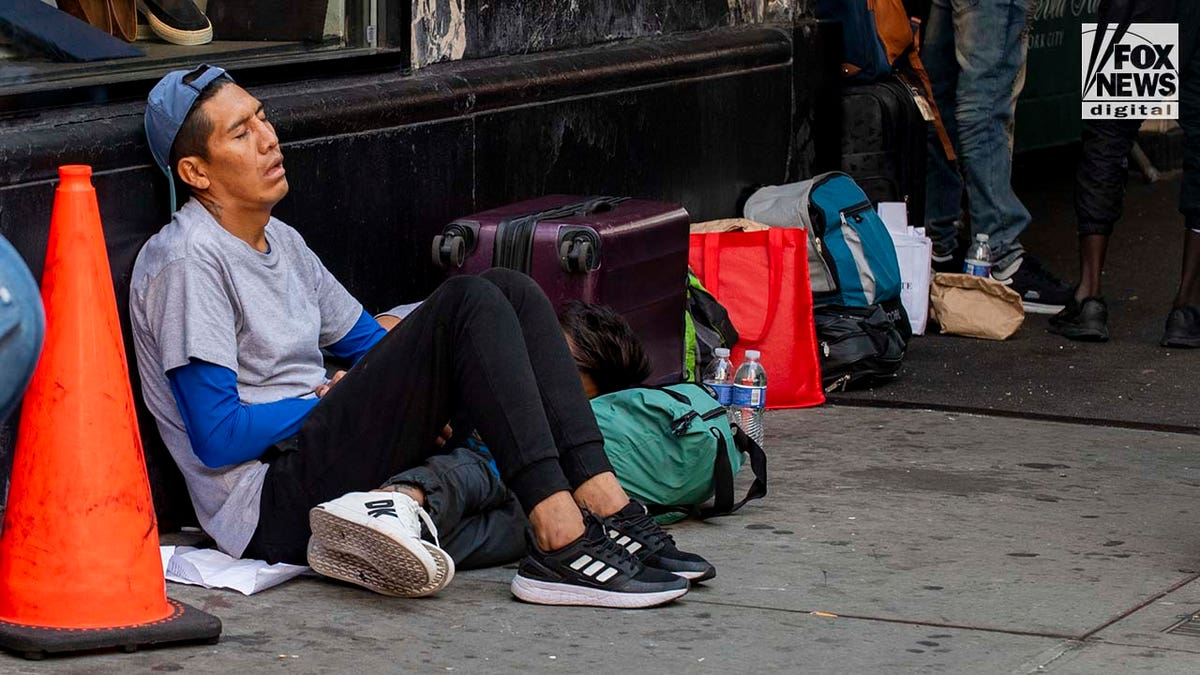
(723,503)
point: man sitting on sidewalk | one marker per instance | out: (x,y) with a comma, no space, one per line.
(230,313)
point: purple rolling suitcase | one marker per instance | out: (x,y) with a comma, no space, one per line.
(629,254)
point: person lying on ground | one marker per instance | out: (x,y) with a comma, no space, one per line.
(230,312)
(480,519)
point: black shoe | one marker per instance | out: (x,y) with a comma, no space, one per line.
(953,261)
(1086,320)
(952,264)
(1183,328)
(593,571)
(179,22)
(1040,291)
(633,528)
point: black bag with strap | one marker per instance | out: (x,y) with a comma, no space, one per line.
(860,346)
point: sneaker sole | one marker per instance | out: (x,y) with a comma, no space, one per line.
(1180,343)
(358,554)
(1081,334)
(697,577)
(1041,308)
(185,38)
(552,593)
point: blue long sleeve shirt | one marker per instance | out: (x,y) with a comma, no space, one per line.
(224,431)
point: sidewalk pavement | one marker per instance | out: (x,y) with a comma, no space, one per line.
(892,541)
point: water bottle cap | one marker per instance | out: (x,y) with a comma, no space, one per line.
(752,354)
(982,236)
(721,353)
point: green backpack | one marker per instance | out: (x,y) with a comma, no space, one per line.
(706,326)
(673,448)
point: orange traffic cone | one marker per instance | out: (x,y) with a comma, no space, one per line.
(79,558)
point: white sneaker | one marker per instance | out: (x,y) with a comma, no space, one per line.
(373,539)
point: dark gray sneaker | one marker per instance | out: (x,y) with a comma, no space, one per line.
(1183,328)
(1085,320)
(633,528)
(593,571)
(1041,292)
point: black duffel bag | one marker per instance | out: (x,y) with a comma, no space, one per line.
(860,346)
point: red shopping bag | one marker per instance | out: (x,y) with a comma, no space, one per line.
(762,279)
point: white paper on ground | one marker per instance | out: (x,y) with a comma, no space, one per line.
(211,568)
(914,252)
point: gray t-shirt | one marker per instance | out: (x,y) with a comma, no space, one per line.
(198,292)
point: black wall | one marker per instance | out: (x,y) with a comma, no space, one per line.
(379,163)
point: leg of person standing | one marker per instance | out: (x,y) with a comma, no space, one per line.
(989,47)
(1099,201)
(943,185)
(1100,188)
(1183,322)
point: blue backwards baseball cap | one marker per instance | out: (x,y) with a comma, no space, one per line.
(168,106)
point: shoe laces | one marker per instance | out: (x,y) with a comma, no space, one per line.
(412,515)
(1034,268)
(606,548)
(643,528)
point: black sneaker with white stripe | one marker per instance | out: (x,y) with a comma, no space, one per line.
(633,528)
(593,571)
(1041,292)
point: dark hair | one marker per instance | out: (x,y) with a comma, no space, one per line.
(192,138)
(604,346)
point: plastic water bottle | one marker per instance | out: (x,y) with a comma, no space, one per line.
(750,396)
(719,375)
(979,259)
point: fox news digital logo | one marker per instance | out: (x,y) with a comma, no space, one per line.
(1131,72)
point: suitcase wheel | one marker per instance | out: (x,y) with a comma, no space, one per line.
(578,256)
(449,250)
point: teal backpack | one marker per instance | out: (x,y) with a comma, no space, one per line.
(673,448)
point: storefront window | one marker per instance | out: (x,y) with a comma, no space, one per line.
(54,44)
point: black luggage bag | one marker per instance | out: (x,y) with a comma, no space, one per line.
(884,143)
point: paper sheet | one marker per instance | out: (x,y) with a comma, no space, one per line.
(913,252)
(211,568)
(894,216)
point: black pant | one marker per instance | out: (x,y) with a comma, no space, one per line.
(479,520)
(489,346)
(1104,167)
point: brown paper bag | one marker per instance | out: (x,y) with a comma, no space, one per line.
(975,306)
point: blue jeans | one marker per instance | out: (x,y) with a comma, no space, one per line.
(975,53)
(21,327)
